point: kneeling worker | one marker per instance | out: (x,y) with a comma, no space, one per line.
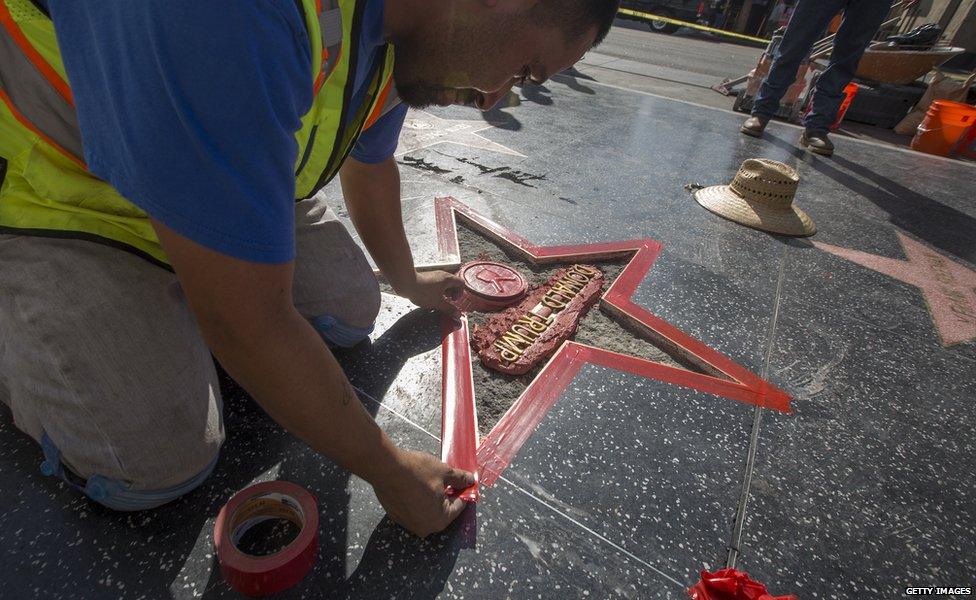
(154,151)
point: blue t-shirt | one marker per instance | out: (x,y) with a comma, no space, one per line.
(190,107)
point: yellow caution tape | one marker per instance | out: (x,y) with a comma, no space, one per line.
(650,17)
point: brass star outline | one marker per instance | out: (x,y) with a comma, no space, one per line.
(459,429)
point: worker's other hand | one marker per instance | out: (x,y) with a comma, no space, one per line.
(432,289)
(415,497)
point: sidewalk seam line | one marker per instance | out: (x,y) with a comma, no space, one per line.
(593,533)
(740,514)
(696,85)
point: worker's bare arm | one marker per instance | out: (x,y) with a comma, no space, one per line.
(372,196)
(246,315)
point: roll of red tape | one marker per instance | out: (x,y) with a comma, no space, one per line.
(264,575)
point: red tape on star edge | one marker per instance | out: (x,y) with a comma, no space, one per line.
(722,376)
(459,418)
(729,584)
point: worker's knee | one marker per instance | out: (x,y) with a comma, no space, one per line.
(128,494)
(104,366)
(153,451)
(333,286)
(347,319)
(140,451)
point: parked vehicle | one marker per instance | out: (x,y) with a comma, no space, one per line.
(693,11)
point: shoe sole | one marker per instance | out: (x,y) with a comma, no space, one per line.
(751,132)
(816,150)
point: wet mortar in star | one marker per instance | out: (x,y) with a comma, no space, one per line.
(495,392)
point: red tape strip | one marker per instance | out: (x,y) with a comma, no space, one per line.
(723,377)
(459,418)
(263,575)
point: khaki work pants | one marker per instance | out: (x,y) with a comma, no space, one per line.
(102,361)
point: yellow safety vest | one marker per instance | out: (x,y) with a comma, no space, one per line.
(47,189)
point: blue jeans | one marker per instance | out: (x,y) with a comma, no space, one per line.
(810,19)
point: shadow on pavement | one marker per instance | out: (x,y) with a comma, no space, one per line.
(570,78)
(81,549)
(501,119)
(941,226)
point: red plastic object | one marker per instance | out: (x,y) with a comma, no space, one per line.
(489,287)
(467,302)
(459,418)
(730,584)
(264,575)
(850,91)
(945,123)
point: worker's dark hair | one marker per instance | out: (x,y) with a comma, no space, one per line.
(576,17)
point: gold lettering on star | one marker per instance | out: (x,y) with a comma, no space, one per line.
(528,327)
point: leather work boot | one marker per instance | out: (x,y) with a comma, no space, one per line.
(754,126)
(817,142)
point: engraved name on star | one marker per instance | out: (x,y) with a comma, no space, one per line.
(423,130)
(948,287)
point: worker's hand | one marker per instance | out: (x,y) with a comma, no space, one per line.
(432,290)
(415,495)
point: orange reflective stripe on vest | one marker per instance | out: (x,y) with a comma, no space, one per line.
(34,92)
(47,188)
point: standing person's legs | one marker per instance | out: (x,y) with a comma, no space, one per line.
(334,286)
(809,20)
(861,21)
(103,365)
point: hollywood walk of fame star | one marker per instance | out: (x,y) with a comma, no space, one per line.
(423,130)
(459,447)
(948,287)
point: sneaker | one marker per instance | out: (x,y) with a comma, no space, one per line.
(817,142)
(754,126)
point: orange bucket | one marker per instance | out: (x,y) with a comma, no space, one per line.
(945,122)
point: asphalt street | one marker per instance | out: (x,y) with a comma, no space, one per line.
(688,50)
(683,65)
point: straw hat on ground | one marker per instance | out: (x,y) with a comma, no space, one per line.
(761,197)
